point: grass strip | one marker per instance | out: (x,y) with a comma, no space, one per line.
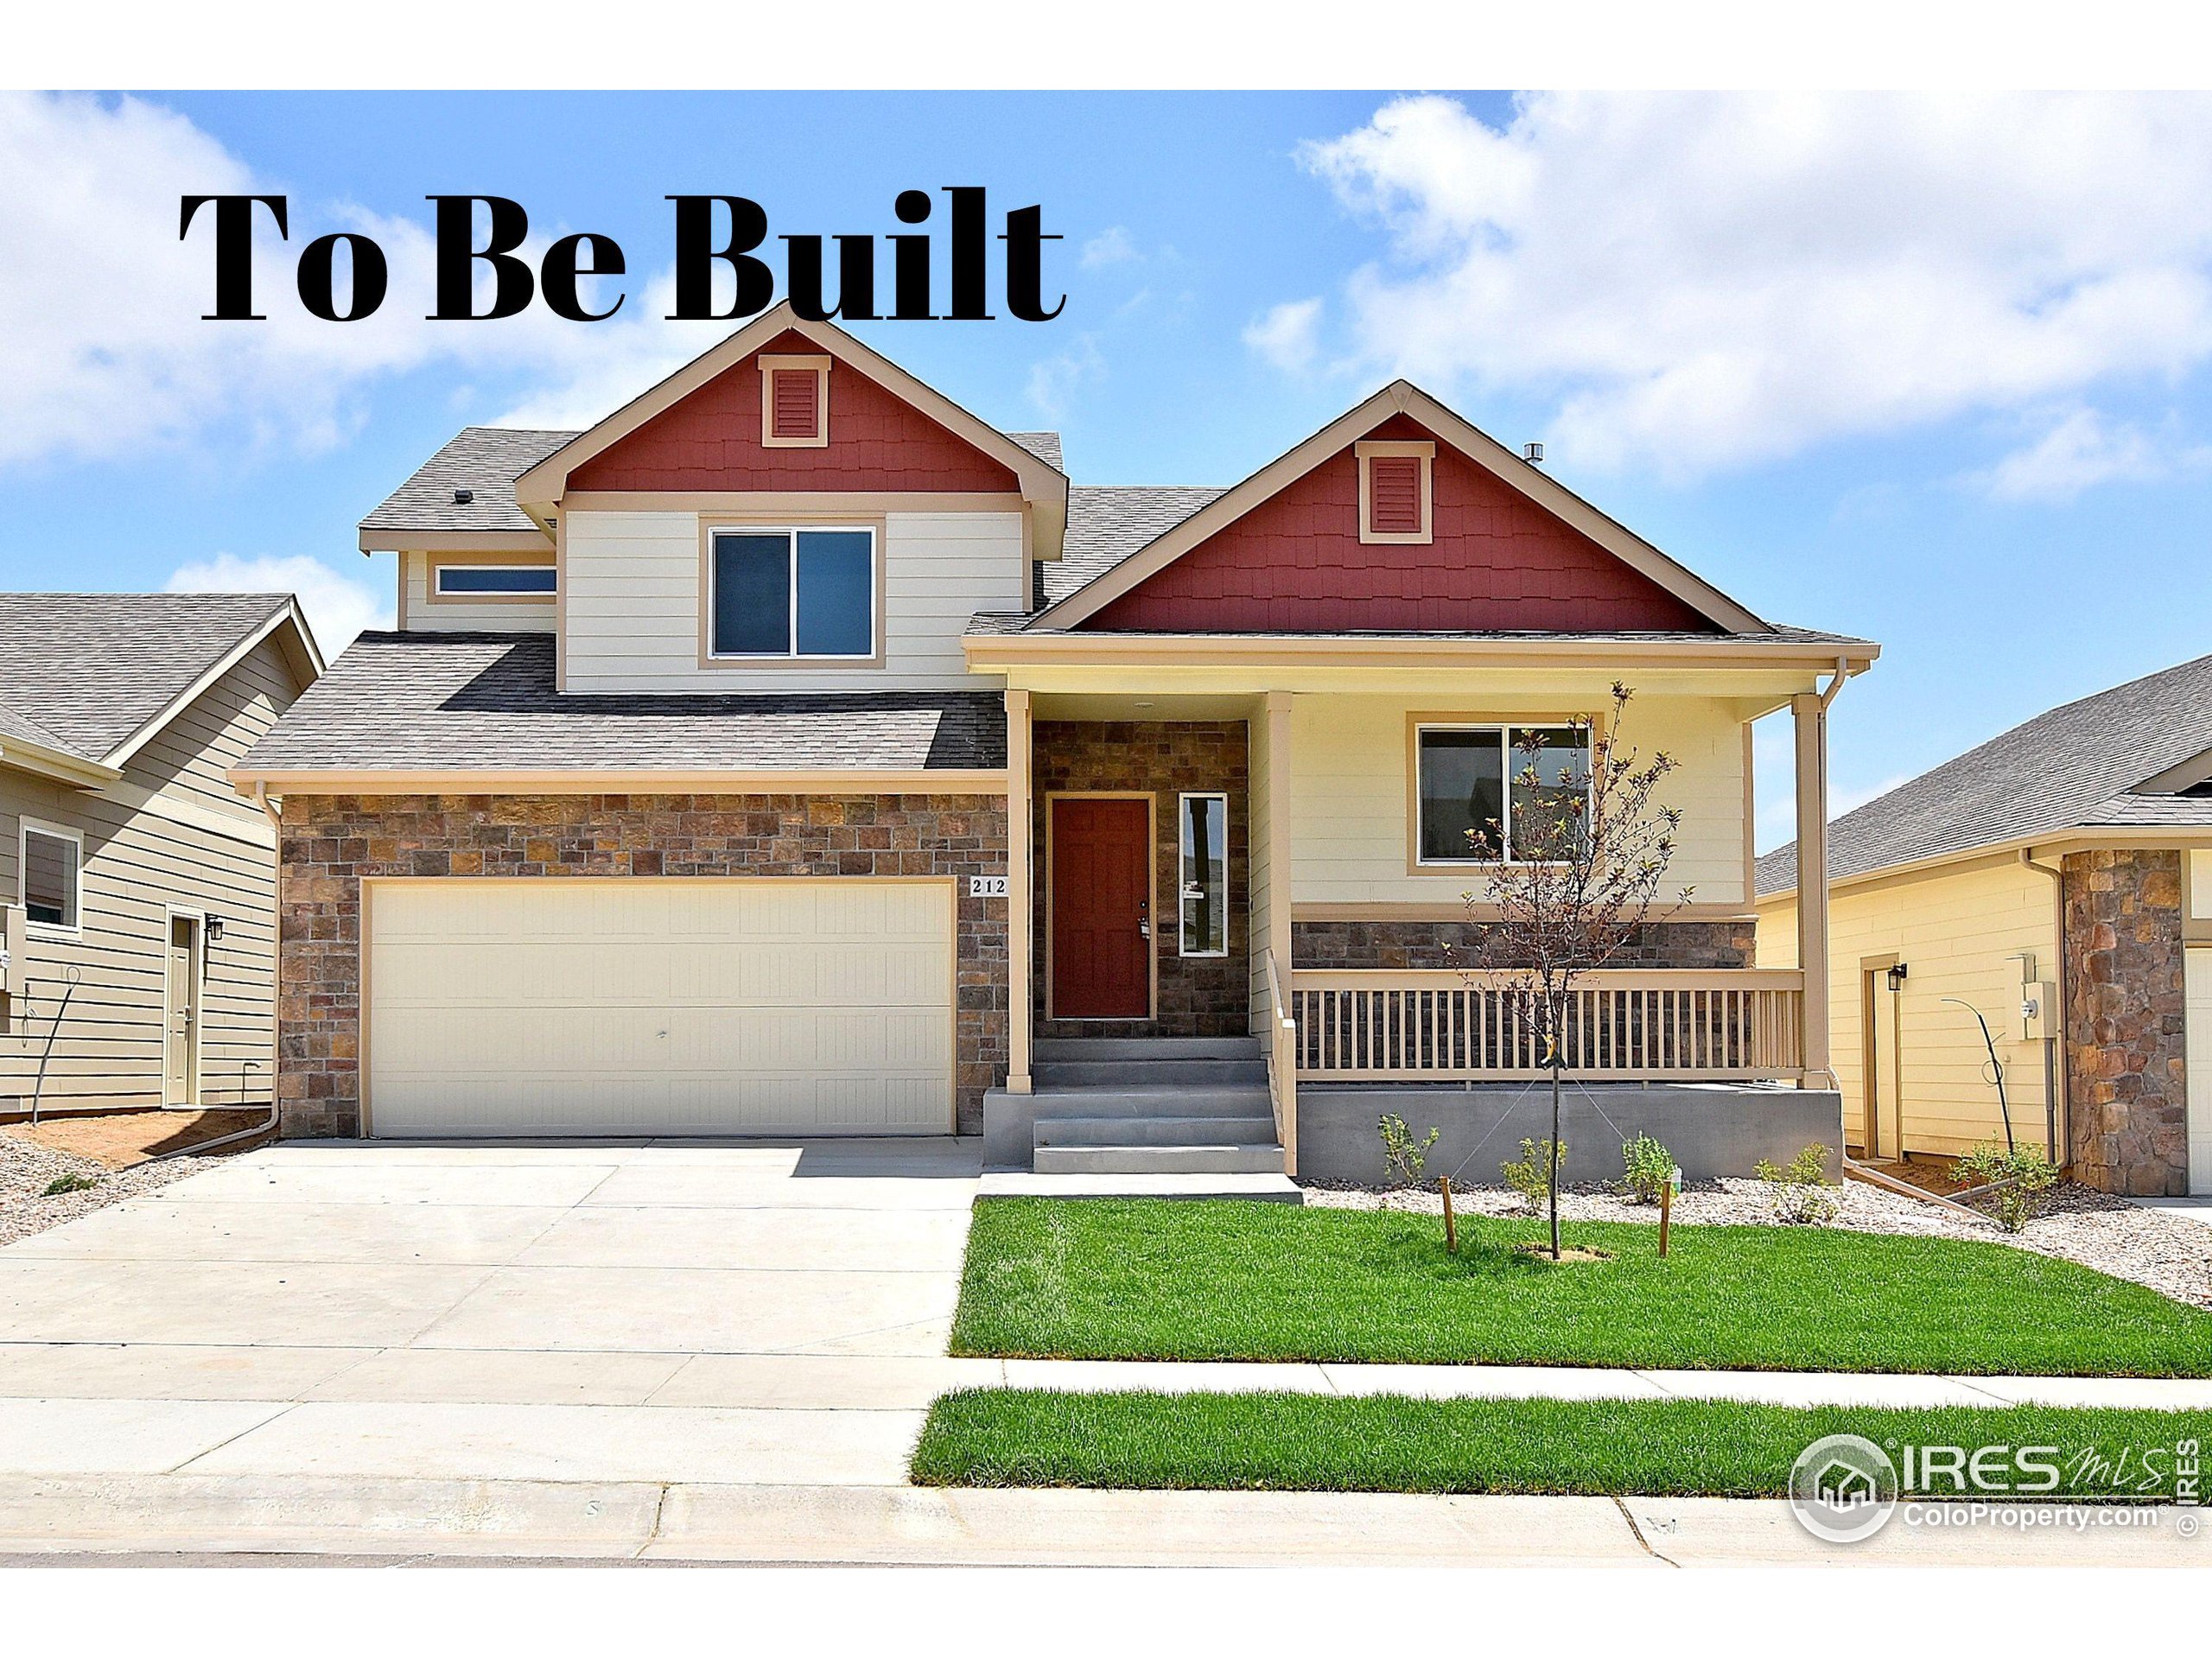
(1294,1442)
(1144,1278)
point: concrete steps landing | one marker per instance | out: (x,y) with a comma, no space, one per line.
(1136,1115)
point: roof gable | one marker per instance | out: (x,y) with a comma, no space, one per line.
(710,439)
(1295,564)
(1519,535)
(94,675)
(699,430)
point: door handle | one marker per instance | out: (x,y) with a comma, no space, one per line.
(1144,927)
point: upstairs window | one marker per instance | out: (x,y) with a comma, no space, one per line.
(795,403)
(50,863)
(797,594)
(1468,773)
(494,582)
(1395,502)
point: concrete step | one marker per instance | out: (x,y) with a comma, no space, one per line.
(1154,1131)
(1160,1160)
(1027,1183)
(1147,1048)
(1146,1073)
(1171,1100)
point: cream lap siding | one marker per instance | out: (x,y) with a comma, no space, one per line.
(634,599)
(160,837)
(1956,930)
(1260,875)
(1350,840)
(425,615)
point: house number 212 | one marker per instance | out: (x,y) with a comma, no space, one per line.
(987,887)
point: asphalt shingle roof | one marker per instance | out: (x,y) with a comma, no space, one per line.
(472,702)
(87,671)
(2075,767)
(1045,446)
(485,460)
(1107,522)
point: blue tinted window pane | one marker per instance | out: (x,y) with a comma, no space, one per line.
(495,578)
(753,596)
(836,593)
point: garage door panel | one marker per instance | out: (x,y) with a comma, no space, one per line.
(515,1006)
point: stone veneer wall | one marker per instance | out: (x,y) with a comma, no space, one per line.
(329,842)
(1199,996)
(2127,1061)
(1458,944)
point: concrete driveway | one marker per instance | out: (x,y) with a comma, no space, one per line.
(654,1311)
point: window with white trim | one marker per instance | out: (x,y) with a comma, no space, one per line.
(1475,786)
(51,879)
(494,581)
(1202,875)
(797,592)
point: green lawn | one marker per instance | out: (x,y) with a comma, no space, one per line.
(1021,1437)
(1138,1278)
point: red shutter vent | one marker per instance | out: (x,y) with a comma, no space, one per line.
(796,409)
(1394,495)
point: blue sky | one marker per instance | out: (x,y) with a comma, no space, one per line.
(1924,372)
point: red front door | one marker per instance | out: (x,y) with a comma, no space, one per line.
(1102,909)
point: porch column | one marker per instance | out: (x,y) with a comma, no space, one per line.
(1808,715)
(1018,902)
(1278,832)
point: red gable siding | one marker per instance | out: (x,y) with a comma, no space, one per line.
(711,440)
(1295,564)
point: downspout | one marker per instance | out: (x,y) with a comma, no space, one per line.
(276,956)
(2054,1080)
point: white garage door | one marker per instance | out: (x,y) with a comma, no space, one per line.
(779,1006)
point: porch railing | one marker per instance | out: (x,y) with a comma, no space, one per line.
(1283,1067)
(1716,1025)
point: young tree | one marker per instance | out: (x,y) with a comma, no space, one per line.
(1576,877)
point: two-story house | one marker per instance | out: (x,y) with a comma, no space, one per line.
(793,753)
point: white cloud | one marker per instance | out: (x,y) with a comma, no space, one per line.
(1112,247)
(1054,381)
(1701,282)
(2080,451)
(100,302)
(1287,335)
(338,606)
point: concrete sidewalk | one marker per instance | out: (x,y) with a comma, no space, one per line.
(517,1521)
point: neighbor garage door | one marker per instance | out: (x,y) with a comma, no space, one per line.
(769,1007)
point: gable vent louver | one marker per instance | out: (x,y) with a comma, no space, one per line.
(1394,495)
(796,412)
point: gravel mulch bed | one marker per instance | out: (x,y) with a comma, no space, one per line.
(2171,1253)
(27,1169)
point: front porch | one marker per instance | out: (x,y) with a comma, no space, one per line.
(1209,868)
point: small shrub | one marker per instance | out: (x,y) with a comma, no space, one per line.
(72,1182)
(1648,1164)
(2031,1177)
(1404,1157)
(1532,1177)
(1800,1192)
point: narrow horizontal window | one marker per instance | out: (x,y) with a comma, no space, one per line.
(50,878)
(495,578)
(792,593)
(1204,876)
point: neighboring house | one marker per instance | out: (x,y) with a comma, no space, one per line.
(138,890)
(2057,880)
(1052,804)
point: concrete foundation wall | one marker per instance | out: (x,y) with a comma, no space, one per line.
(1713,1130)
